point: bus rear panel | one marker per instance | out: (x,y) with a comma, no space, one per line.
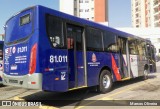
(21,51)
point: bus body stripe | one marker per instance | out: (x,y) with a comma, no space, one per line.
(115,69)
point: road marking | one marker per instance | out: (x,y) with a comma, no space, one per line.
(18,98)
(114,94)
(47,107)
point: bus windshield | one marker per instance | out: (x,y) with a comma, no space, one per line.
(19,26)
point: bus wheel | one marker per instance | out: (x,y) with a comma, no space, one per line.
(105,82)
(145,74)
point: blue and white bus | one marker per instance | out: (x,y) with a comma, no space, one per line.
(49,50)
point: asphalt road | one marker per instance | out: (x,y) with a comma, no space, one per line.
(124,93)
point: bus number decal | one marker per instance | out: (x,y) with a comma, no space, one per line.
(63,75)
(22,49)
(58,59)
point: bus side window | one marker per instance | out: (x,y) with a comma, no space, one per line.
(110,43)
(54,27)
(141,48)
(94,39)
(133,47)
(1,51)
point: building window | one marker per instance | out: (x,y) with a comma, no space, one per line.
(92,9)
(155,2)
(80,1)
(86,1)
(157,24)
(136,3)
(81,10)
(137,15)
(155,10)
(137,21)
(87,10)
(156,17)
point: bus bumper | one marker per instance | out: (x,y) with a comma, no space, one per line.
(33,81)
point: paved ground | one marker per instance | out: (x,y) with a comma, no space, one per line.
(133,90)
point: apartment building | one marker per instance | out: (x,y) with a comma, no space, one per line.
(94,10)
(145,13)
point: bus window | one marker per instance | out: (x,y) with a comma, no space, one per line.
(122,45)
(19,26)
(133,47)
(70,38)
(110,43)
(94,39)
(55,31)
(1,51)
(141,48)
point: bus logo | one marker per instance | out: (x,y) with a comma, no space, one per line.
(8,50)
(14,50)
(94,59)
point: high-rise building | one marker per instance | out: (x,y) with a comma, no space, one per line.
(94,10)
(145,13)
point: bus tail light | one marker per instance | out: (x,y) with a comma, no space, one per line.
(32,64)
(33,82)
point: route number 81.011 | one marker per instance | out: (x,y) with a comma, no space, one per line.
(57,59)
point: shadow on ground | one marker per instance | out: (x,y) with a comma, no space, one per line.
(74,97)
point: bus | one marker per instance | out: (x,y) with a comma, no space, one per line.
(1,61)
(53,51)
(151,50)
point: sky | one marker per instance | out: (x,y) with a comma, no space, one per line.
(119,10)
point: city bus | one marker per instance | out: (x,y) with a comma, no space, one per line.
(53,51)
(1,61)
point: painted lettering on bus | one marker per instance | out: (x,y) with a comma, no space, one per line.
(57,59)
(22,49)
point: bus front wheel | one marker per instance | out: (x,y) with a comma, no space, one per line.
(105,82)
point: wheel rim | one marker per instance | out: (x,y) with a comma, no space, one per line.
(106,81)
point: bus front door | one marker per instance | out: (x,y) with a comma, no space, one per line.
(75,56)
(123,63)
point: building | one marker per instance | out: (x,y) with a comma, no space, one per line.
(145,13)
(94,10)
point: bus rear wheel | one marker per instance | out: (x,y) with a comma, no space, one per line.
(105,82)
